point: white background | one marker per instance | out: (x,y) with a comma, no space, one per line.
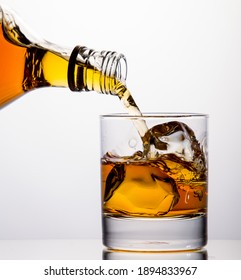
(182,56)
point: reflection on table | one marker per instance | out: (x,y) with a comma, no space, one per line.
(182,255)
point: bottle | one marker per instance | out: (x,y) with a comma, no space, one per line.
(28,63)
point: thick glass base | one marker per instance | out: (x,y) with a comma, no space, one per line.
(155,234)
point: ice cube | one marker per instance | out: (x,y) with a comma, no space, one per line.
(174,138)
(140,189)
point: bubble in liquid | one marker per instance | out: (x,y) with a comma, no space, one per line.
(132,143)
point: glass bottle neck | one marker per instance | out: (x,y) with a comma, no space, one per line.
(98,71)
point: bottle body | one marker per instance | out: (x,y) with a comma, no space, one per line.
(27,63)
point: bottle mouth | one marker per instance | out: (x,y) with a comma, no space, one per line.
(114,71)
(110,68)
(114,65)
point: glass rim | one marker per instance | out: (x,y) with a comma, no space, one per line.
(154,115)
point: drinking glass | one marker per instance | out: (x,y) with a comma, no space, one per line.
(154,171)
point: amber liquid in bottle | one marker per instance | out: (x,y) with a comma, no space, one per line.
(26,64)
(26,68)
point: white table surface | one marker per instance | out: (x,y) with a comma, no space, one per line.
(92,249)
